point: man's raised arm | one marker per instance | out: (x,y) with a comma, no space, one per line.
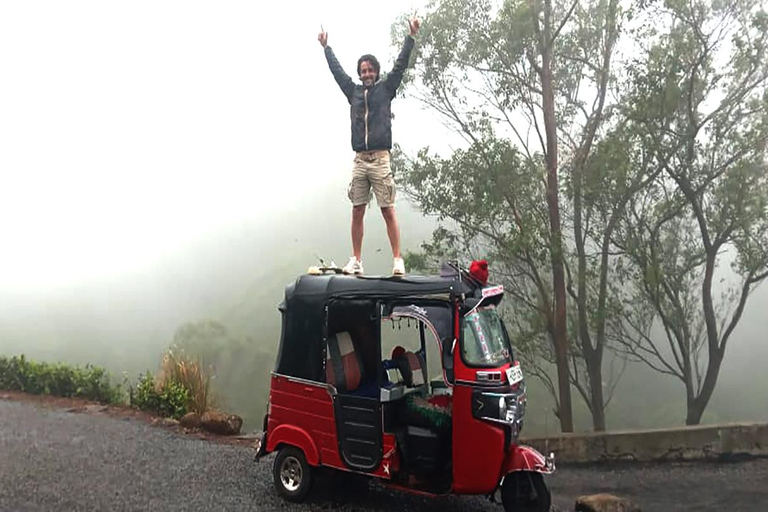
(344,81)
(395,77)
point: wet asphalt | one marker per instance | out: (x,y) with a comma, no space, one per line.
(52,459)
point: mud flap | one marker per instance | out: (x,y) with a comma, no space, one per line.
(261,441)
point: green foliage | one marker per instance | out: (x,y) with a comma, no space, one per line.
(174,398)
(699,102)
(187,372)
(17,373)
(169,399)
(662,168)
(144,396)
(486,67)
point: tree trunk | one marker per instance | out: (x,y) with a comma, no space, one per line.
(593,356)
(594,368)
(694,413)
(698,405)
(556,244)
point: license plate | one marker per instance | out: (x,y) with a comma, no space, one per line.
(514,374)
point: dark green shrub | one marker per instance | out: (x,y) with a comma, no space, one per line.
(174,399)
(91,382)
(170,399)
(144,396)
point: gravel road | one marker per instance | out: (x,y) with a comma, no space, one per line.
(51,459)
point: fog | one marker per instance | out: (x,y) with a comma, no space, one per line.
(174,162)
(237,276)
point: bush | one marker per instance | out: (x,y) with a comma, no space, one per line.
(167,398)
(182,386)
(145,395)
(91,382)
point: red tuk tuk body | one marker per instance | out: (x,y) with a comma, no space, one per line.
(338,399)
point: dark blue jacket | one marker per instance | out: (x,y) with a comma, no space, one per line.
(370,107)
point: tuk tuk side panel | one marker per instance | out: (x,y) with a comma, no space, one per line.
(478,447)
(390,463)
(305,406)
(308,407)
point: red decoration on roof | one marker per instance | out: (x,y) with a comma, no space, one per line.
(479,270)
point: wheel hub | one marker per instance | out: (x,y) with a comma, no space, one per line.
(290,474)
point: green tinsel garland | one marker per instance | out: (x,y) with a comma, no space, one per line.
(438,416)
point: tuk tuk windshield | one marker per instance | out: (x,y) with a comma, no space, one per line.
(485,341)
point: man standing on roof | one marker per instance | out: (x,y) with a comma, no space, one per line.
(371,116)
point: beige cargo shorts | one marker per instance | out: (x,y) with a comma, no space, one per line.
(371,170)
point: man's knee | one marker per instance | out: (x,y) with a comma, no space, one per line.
(388,212)
(358,211)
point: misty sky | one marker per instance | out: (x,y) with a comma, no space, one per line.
(129,128)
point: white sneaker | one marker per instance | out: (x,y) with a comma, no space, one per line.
(399,269)
(355,266)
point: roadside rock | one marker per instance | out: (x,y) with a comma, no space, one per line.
(605,503)
(191,420)
(222,424)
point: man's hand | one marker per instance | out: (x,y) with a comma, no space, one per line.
(323,37)
(414,25)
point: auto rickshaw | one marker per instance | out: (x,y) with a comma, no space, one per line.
(351,389)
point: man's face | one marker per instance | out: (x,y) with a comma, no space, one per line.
(367,73)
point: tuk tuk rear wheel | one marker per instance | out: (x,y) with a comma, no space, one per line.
(525,491)
(292,474)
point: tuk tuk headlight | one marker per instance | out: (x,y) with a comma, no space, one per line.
(503,411)
(511,412)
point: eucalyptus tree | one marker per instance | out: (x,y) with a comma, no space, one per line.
(698,237)
(526,84)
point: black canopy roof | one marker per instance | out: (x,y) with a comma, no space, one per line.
(302,339)
(324,287)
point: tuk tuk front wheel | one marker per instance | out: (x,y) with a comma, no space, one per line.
(292,474)
(525,491)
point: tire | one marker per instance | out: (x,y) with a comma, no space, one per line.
(525,491)
(293,476)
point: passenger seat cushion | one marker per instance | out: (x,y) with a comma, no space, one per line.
(417,371)
(412,369)
(343,367)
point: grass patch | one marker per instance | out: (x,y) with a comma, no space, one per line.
(18,373)
(187,372)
